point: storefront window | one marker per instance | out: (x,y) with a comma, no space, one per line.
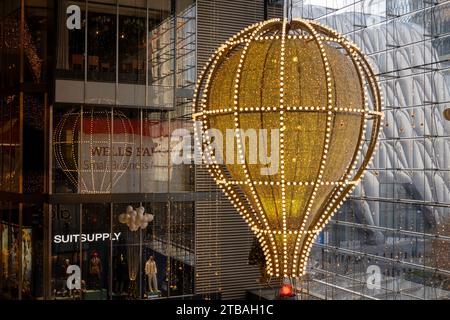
(171,244)
(10,257)
(66,250)
(96,255)
(86,249)
(21,245)
(114,80)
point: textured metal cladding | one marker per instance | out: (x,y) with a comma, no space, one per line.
(223,239)
(218,20)
(223,242)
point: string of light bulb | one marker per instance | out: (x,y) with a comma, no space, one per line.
(286,246)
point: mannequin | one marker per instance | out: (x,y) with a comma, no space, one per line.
(151,271)
(95,269)
(121,270)
(64,276)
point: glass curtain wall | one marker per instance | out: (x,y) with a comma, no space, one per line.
(25,58)
(391,238)
(123,81)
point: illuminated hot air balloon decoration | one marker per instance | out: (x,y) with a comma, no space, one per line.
(320,92)
(135,219)
(91,147)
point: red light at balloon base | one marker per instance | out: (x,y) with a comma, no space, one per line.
(286,291)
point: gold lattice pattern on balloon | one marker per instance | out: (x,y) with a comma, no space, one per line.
(321,93)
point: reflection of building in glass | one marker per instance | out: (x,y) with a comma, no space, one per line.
(403,202)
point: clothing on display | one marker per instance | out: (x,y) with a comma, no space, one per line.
(151,271)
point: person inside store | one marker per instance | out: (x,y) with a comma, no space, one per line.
(151,271)
(121,272)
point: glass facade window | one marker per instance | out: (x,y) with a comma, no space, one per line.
(10,143)
(86,122)
(392,223)
(101,41)
(97,98)
(112,258)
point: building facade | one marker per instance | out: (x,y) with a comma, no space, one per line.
(94,99)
